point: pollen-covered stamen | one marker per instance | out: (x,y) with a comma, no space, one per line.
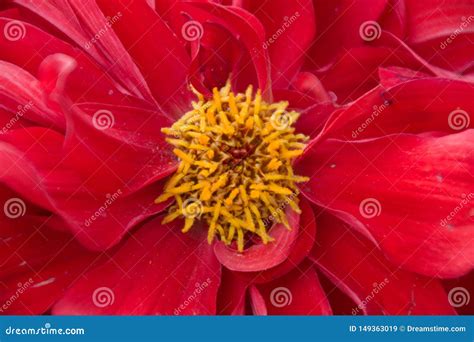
(235,171)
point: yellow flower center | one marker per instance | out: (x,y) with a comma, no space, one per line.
(235,171)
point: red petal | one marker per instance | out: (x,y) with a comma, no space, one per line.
(290,28)
(86,83)
(98,218)
(156,51)
(298,293)
(402,178)
(312,119)
(359,65)
(245,28)
(308,83)
(259,307)
(392,76)
(37,262)
(416,106)
(261,257)
(460,291)
(340,22)
(296,99)
(436,19)
(358,268)
(127,149)
(232,292)
(158,270)
(80,22)
(23,95)
(303,243)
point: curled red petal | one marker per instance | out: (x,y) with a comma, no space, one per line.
(388,187)
(262,256)
(297,293)
(167,268)
(359,268)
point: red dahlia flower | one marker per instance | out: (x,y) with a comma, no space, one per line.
(317,156)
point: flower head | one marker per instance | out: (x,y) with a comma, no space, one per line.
(318,159)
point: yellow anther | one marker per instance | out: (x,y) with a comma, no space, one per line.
(274,164)
(235,165)
(279,189)
(188,223)
(183,156)
(231,197)
(212,225)
(206,194)
(217,99)
(249,123)
(258,102)
(232,106)
(203,139)
(210,115)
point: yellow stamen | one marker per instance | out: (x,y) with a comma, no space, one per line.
(236,165)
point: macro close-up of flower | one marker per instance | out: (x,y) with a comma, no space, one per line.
(236,157)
